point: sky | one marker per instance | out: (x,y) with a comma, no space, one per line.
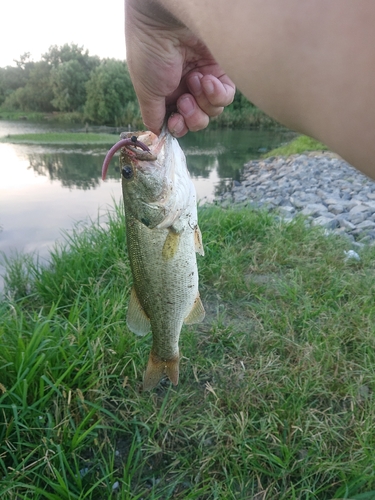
(34,25)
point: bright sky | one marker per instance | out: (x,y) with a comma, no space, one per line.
(34,25)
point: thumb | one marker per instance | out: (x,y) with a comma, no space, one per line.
(153,111)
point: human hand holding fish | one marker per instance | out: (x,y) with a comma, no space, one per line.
(163,237)
(173,72)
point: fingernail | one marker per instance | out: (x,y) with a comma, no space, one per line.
(185,106)
(208,86)
(178,127)
(195,85)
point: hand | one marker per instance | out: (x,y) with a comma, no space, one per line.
(172,71)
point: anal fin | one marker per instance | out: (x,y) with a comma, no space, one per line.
(157,368)
(136,318)
(196,314)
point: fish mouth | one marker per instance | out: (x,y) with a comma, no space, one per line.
(136,149)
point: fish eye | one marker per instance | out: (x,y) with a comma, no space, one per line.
(127,171)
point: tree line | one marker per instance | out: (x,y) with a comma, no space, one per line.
(68,79)
(86,88)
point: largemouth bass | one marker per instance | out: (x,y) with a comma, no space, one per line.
(163,237)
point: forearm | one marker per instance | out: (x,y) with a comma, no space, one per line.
(310,64)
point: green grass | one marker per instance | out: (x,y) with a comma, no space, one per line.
(299,145)
(33,116)
(60,138)
(276,393)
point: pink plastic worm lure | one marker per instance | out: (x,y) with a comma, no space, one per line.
(133,141)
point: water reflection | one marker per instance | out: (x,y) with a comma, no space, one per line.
(73,170)
(44,189)
(224,152)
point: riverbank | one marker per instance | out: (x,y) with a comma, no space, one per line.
(56,138)
(276,380)
(319,185)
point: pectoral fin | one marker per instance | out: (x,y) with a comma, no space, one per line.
(171,244)
(136,318)
(157,368)
(196,314)
(198,241)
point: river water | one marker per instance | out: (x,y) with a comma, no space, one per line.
(47,189)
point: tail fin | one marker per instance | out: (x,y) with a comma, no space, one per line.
(157,368)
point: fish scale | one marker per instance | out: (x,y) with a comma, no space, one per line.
(166,288)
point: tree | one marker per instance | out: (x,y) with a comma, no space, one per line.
(36,94)
(109,91)
(60,55)
(57,55)
(68,81)
(71,69)
(13,78)
(24,61)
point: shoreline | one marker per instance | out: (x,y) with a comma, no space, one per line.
(320,185)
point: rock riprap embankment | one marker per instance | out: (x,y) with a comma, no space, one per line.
(323,187)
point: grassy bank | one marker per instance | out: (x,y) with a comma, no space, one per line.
(299,145)
(60,138)
(276,393)
(32,116)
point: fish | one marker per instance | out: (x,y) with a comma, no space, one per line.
(163,238)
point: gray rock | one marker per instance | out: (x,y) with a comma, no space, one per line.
(357,209)
(325,222)
(332,201)
(314,209)
(286,210)
(366,224)
(336,209)
(238,198)
(358,218)
(327,190)
(298,203)
(346,224)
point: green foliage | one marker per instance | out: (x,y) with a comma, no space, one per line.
(243,114)
(240,102)
(68,82)
(71,81)
(59,55)
(299,145)
(275,399)
(71,69)
(37,93)
(109,91)
(11,78)
(56,82)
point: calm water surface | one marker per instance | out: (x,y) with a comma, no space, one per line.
(46,189)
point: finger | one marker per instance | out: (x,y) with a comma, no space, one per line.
(177,126)
(219,91)
(152,110)
(195,118)
(211,93)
